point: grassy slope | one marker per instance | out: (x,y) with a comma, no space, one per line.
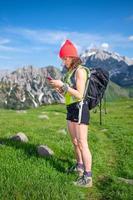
(115,92)
(25,175)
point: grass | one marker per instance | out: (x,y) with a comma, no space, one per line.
(26,176)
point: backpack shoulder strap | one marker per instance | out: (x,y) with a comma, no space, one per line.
(86,69)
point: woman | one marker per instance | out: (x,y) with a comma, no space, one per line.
(73,87)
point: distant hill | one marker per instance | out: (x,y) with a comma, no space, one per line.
(115,92)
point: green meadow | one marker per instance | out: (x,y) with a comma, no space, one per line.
(24,175)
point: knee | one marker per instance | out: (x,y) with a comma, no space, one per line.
(82,144)
(75,142)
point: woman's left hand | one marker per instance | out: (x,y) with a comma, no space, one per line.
(56,83)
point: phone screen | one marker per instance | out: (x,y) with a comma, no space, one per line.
(49,78)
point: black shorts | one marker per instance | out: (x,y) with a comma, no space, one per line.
(79,113)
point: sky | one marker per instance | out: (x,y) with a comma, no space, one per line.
(32,31)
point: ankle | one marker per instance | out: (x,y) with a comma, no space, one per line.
(88,173)
(80,165)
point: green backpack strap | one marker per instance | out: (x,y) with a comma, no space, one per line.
(69,74)
(87,81)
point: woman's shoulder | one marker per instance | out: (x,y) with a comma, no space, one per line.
(81,72)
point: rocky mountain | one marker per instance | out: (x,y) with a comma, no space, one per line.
(28,87)
(4,72)
(119,67)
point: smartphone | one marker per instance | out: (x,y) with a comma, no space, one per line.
(49,78)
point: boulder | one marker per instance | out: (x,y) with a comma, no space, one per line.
(56,113)
(44,151)
(19,137)
(43,117)
(21,111)
(127,181)
(63,131)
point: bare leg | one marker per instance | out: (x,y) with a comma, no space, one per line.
(81,135)
(72,131)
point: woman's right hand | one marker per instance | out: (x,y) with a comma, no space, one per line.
(59,90)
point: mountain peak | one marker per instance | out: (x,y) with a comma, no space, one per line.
(99,53)
(118,66)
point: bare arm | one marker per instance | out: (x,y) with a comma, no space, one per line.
(80,84)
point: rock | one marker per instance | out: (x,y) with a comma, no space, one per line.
(19,137)
(44,151)
(44,112)
(21,111)
(43,117)
(63,131)
(128,181)
(56,113)
(104,130)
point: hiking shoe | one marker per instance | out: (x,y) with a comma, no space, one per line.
(76,168)
(84,181)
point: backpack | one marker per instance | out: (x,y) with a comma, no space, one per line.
(97,81)
(96,85)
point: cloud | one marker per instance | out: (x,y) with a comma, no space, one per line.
(53,36)
(105,46)
(5,58)
(42,36)
(4,41)
(4,45)
(57,37)
(12,49)
(130,38)
(39,46)
(35,40)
